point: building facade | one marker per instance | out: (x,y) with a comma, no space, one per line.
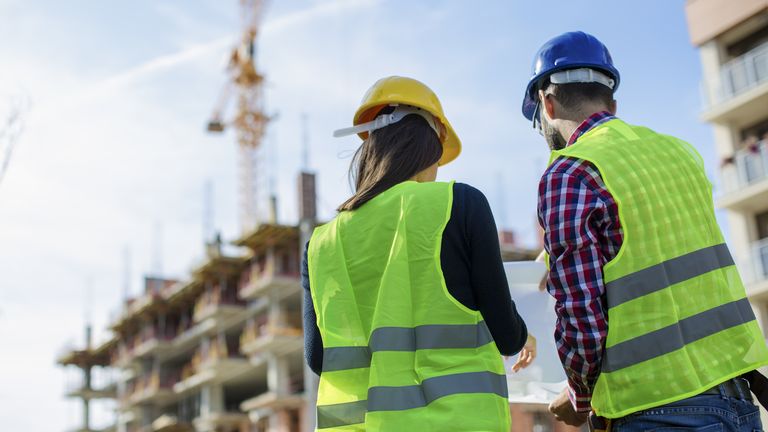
(732,37)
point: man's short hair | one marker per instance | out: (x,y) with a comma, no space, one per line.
(574,96)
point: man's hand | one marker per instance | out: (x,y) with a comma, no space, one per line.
(526,355)
(563,410)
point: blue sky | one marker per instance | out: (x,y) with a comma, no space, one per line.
(115,143)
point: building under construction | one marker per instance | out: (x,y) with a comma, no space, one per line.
(222,350)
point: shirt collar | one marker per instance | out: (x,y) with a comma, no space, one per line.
(592,121)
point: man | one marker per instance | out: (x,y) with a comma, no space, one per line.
(651,310)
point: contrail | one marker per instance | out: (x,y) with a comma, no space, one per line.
(196,51)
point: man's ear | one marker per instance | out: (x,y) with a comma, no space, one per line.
(612,107)
(547,104)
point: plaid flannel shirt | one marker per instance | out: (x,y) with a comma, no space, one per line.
(582,233)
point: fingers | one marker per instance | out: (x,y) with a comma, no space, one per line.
(524,359)
(519,363)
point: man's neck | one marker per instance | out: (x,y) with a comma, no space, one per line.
(568,127)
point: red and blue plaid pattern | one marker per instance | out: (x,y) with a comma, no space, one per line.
(580,219)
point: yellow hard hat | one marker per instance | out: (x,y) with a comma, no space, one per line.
(397,90)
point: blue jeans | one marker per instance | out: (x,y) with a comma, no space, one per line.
(702,413)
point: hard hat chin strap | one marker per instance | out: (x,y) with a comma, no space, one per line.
(384,120)
(582,75)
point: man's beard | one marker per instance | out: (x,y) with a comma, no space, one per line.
(555,141)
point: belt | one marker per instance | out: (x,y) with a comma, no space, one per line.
(736,387)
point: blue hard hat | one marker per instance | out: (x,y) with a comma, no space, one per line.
(570,50)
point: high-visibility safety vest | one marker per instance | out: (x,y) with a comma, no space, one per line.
(679,321)
(400,353)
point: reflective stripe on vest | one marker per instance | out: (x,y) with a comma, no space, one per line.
(679,320)
(676,336)
(410,397)
(407,339)
(668,273)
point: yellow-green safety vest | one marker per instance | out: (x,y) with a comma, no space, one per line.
(679,321)
(400,353)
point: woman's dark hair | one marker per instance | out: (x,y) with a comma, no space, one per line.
(391,155)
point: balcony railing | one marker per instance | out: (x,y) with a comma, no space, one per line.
(760,256)
(150,385)
(103,382)
(746,167)
(217,350)
(210,301)
(743,73)
(261,334)
(753,267)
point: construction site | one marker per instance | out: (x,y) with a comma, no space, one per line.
(221,348)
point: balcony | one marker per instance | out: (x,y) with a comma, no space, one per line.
(217,363)
(170,423)
(152,341)
(742,95)
(153,388)
(217,305)
(92,393)
(261,336)
(291,397)
(261,282)
(222,421)
(274,401)
(745,175)
(210,316)
(753,268)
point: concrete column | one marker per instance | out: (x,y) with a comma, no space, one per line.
(211,400)
(711,60)
(87,386)
(277,374)
(121,425)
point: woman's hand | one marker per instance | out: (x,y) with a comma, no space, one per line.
(526,355)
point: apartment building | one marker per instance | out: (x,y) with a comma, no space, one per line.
(732,37)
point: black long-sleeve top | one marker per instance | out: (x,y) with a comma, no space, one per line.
(471,262)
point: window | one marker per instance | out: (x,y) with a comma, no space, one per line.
(762,225)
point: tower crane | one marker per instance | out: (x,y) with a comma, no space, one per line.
(245,84)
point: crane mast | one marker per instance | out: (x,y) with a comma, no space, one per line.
(249,120)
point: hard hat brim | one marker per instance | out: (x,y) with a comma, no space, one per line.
(529,105)
(451,146)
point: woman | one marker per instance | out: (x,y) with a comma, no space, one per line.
(405,292)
